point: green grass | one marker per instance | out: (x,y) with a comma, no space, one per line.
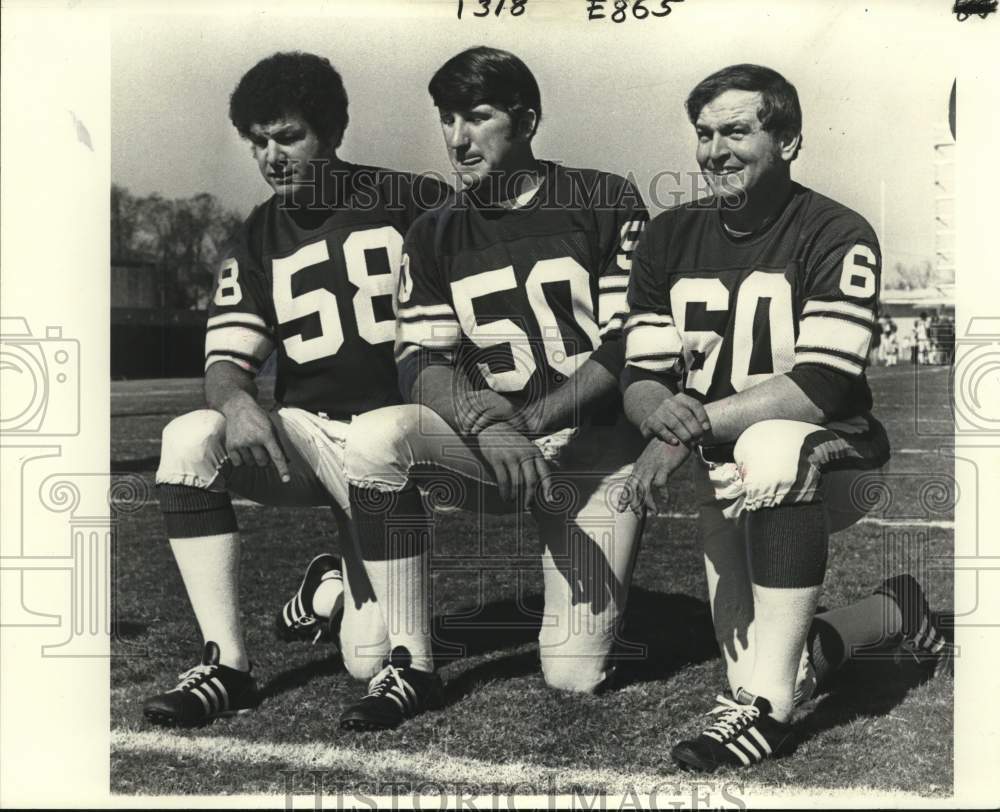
(884,726)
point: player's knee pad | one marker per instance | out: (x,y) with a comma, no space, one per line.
(192,449)
(775,464)
(379,451)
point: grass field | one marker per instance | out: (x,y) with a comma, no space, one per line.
(885,726)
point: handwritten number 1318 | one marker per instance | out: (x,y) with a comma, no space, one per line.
(516,8)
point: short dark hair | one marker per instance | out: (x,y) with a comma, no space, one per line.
(484,75)
(779,112)
(291,82)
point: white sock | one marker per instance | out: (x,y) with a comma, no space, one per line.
(730,598)
(402,587)
(782,620)
(329,595)
(210,569)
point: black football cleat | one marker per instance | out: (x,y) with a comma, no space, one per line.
(922,638)
(205,693)
(396,693)
(296,620)
(743,734)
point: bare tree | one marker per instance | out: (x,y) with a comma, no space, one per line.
(182,237)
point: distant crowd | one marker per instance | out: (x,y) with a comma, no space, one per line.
(931,340)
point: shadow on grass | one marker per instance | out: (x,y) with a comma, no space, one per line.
(302,675)
(521,664)
(675,630)
(865,689)
(662,634)
(872,686)
(496,626)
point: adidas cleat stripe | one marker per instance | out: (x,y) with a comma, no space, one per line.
(749,748)
(204,701)
(760,740)
(743,733)
(221,689)
(739,754)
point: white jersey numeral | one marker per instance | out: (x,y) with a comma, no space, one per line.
(386,238)
(707,344)
(229,292)
(506,331)
(563,269)
(287,306)
(858,275)
(322,302)
(494,333)
(704,343)
(775,288)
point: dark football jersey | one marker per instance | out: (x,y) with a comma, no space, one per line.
(520,297)
(319,289)
(722,314)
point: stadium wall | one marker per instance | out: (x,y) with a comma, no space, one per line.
(147,343)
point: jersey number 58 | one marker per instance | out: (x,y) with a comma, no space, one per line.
(323,303)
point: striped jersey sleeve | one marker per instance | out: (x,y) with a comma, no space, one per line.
(240,326)
(652,342)
(840,301)
(625,223)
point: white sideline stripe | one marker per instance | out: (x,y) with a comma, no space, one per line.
(143,393)
(444,769)
(382,765)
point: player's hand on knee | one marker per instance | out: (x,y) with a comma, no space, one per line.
(476,411)
(250,437)
(680,418)
(650,474)
(518,465)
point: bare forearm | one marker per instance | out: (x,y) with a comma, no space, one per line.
(642,398)
(564,405)
(434,387)
(777,398)
(225,382)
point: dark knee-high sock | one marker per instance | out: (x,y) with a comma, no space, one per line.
(204,538)
(788,552)
(839,634)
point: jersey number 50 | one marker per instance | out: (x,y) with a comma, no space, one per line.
(505,331)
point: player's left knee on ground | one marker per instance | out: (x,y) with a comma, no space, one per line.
(776,464)
(580,673)
(575,649)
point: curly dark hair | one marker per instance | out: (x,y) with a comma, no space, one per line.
(291,82)
(779,112)
(484,75)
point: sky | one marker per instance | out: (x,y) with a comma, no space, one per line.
(873,83)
